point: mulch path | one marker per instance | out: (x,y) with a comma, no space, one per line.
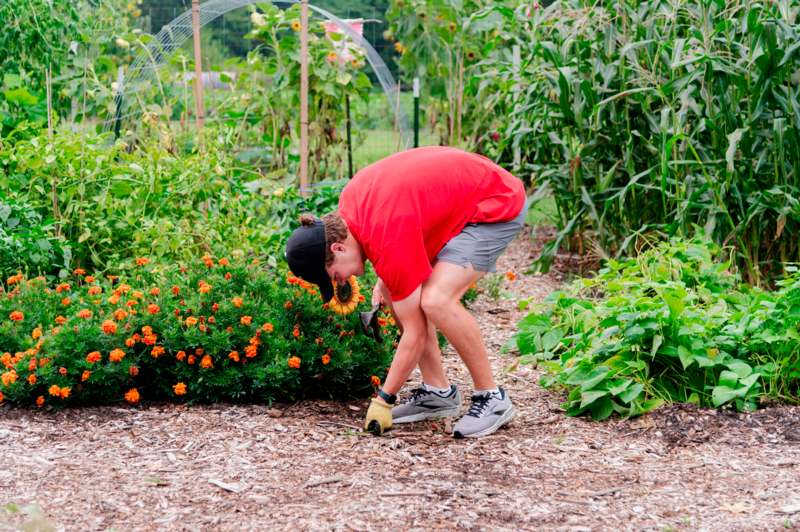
(308,466)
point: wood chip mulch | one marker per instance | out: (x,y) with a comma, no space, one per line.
(308,466)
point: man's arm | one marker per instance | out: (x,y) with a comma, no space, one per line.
(412,342)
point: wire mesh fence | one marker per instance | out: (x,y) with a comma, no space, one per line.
(375,131)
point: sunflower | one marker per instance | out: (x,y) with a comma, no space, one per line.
(345,297)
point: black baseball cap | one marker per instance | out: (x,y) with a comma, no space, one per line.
(305,253)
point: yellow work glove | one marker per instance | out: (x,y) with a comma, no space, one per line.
(379,416)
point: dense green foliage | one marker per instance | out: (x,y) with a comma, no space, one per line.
(27,243)
(228,330)
(111,203)
(673,324)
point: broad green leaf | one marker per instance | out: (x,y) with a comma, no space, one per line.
(590,397)
(723,394)
(686,357)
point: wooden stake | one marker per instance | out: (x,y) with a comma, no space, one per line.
(198,72)
(304,98)
(48,76)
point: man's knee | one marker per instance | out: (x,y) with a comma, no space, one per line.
(433,300)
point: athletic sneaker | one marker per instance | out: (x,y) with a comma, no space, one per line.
(488,412)
(426,404)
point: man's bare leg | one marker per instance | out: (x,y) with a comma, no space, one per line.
(441,302)
(430,361)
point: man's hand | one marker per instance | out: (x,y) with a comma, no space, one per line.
(379,416)
(377,293)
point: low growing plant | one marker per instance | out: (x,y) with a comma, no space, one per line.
(673,325)
(215,330)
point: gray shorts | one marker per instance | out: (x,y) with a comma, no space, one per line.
(479,245)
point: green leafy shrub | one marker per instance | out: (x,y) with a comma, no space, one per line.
(210,331)
(28,245)
(117,201)
(673,324)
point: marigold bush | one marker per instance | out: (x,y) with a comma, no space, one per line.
(216,330)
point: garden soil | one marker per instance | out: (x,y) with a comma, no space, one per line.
(308,466)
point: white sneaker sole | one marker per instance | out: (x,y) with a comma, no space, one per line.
(507,416)
(422,416)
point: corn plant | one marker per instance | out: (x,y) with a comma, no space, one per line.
(646,118)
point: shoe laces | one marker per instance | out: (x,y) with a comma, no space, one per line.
(416,393)
(478,405)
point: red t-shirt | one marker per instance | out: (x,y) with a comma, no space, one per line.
(403,209)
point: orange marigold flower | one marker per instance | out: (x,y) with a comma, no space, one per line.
(64,392)
(9,377)
(89,279)
(152,308)
(120,314)
(79,271)
(246,320)
(123,289)
(190,360)
(16,316)
(130,342)
(157,351)
(37,333)
(109,327)
(237,302)
(94,290)
(33,364)
(85,313)
(223,261)
(133,371)
(54,390)
(132,396)
(40,401)
(61,320)
(199,351)
(191,321)
(147,330)
(296,332)
(150,339)
(511,275)
(114,299)
(287,305)
(326,359)
(268,327)
(179,389)
(176,290)
(142,261)
(251,350)
(63,287)
(132,303)
(208,261)
(204,288)
(155,291)
(137,294)
(375,380)
(31,379)
(228,276)
(234,355)
(62,371)
(215,307)
(202,327)
(212,319)
(85,375)
(294,362)
(180,356)
(116,355)
(43,362)
(93,357)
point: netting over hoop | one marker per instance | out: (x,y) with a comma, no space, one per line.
(142,75)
